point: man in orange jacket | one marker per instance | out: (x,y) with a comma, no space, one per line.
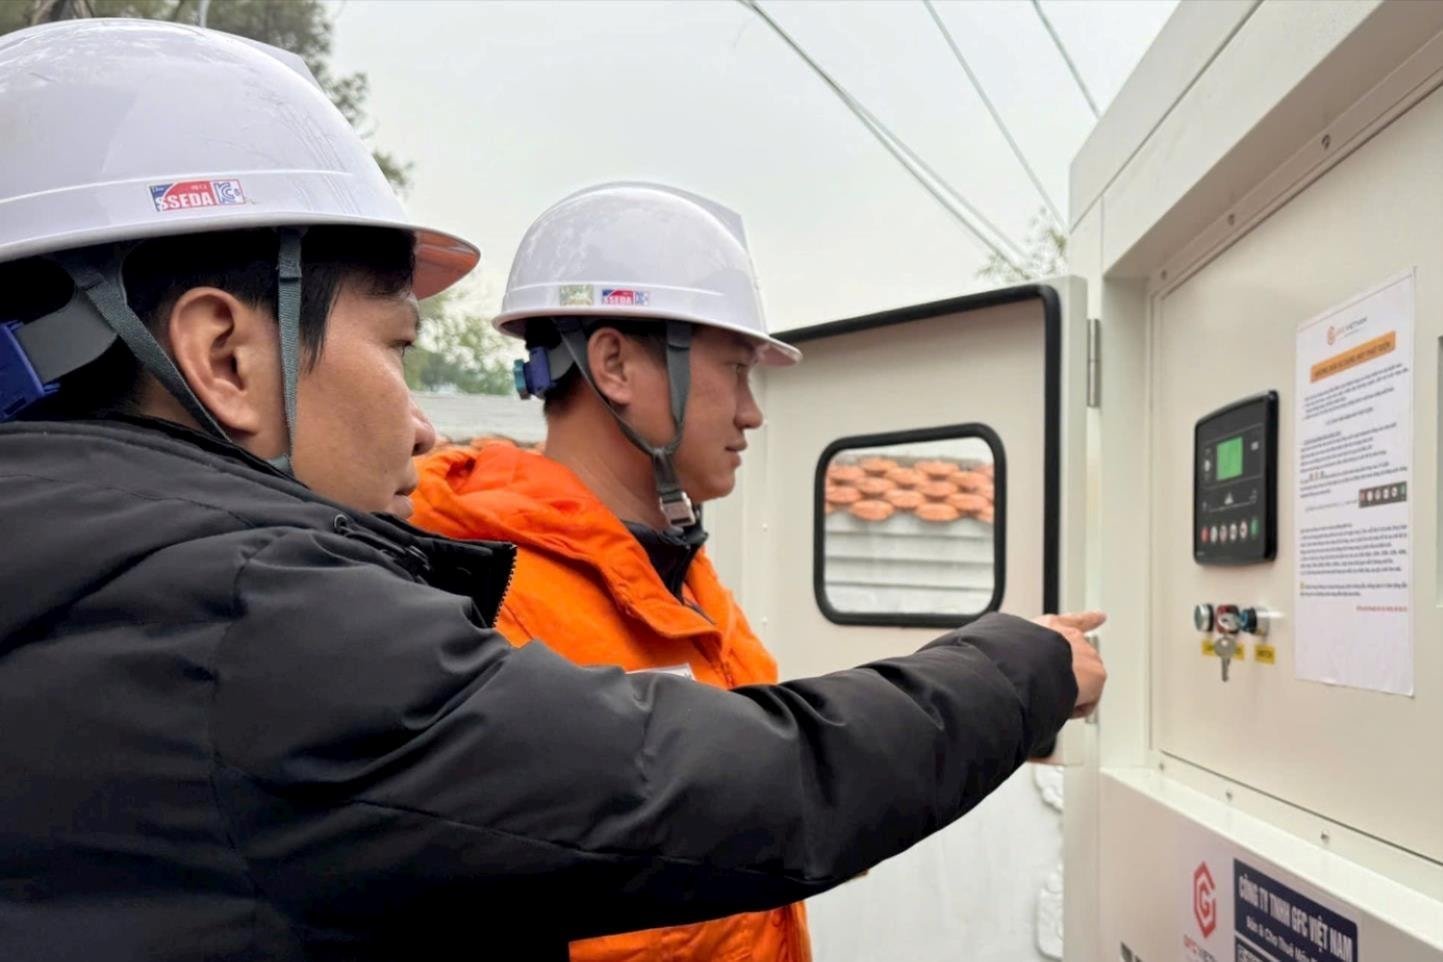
(642,321)
(645,381)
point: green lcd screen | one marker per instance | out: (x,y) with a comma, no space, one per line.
(1230,458)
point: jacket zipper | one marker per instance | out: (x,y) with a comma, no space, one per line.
(506,590)
(697,609)
(717,661)
(410,557)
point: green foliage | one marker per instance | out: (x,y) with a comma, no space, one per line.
(301,26)
(1046,250)
(459,351)
(14,14)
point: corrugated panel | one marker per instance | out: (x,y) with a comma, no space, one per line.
(905,564)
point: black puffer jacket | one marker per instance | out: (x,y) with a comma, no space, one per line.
(240,722)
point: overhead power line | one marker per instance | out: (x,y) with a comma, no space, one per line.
(928,178)
(1072,67)
(910,156)
(996,117)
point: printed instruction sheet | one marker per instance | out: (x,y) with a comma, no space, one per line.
(1352,504)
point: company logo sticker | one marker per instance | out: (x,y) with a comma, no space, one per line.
(625,296)
(575,295)
(190,194)
(1204,900)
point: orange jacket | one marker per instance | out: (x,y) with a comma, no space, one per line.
(586,587)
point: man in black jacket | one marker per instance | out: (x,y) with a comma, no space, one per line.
(247,718)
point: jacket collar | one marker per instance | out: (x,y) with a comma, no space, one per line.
(501,492)
(475,569)
(670,554)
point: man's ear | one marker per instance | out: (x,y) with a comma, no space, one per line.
(229,353)
(611,358)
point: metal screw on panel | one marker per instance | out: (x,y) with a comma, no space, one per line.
(1164,275)
(1327,141)
(1228,795)
(1325,836)
(1232,219)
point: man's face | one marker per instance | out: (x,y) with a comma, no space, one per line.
(720,409)
(357,425)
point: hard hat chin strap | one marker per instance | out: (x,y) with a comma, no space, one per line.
(288,319)
(98,312)
(96,273)
(676,507)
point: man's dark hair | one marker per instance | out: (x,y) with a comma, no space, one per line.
(541,332)
(241,262)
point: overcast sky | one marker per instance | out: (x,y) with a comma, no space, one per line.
(506,107)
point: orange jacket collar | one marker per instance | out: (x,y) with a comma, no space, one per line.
(501,493)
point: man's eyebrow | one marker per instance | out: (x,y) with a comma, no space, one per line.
(748,348)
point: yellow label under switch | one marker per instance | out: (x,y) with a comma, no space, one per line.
(1267,655)
(1239,654)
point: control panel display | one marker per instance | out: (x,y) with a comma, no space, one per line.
(1230,459)
(1235,483)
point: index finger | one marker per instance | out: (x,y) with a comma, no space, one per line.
(1083,621)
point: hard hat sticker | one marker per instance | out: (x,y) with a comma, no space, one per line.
(187,194)
(575,295)
(627,296)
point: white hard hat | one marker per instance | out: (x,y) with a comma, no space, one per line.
(638,250)
(117,130)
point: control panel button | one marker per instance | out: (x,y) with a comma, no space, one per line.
(1253,621)
(1202,617)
